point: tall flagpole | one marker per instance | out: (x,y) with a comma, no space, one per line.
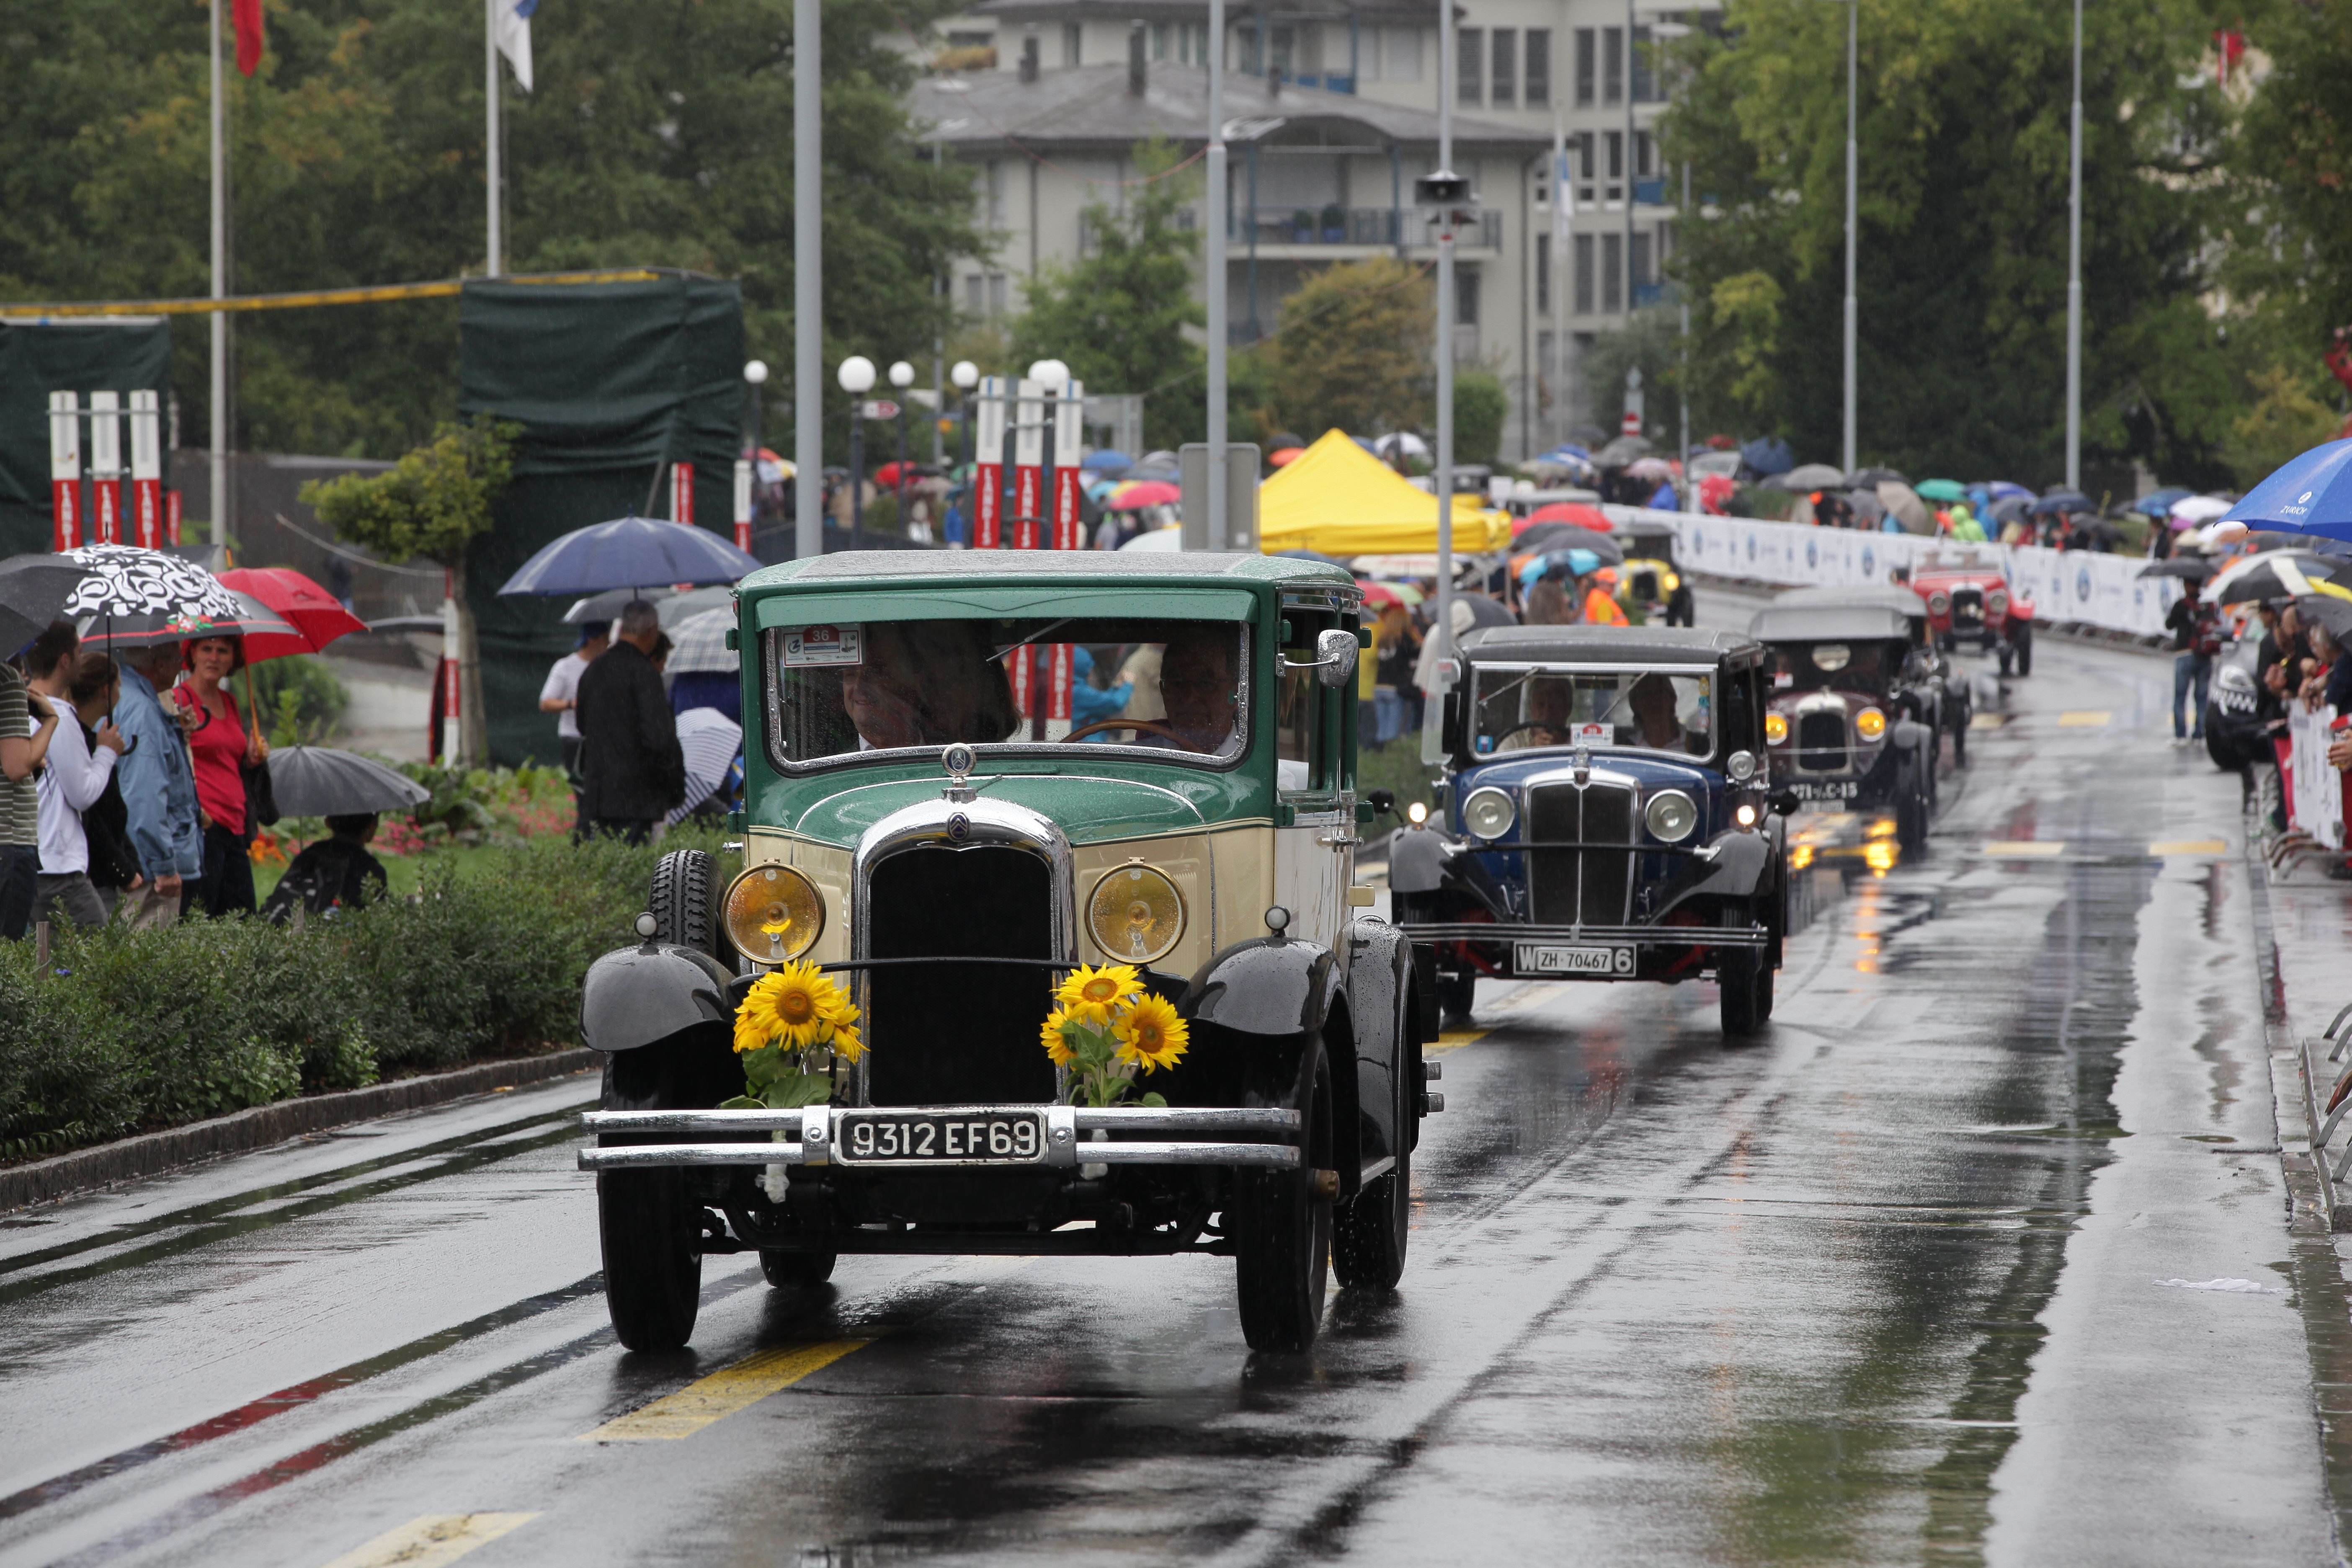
(491,95)
(808,280)
(219,465)
(1213,260)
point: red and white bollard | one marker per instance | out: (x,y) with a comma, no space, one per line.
(147,472)
(106,468)
(987,465)
(681,493)
(65,470)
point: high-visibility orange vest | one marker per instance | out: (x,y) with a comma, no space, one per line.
(1601,610)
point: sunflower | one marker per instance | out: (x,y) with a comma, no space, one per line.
(792,1006)
(1090,996)
(1152,1034)
(845,1042)
(1057,1044)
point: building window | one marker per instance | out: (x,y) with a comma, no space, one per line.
(995,294)
(1073,39)
(1641,267)
(1613,259)
(1583,275)
(1642,169)
(1539,68)
(995,194)
(1612,65)
(1310,61)
(1583,141)
(1465,298)
(1506,67)
(1543,275)
(1160,40)
(1645,81)
(975,295)
(1584,68)
(1616,140)
(1468,79)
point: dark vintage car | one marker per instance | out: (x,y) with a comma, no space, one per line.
(1969,600)
(1932,689)
(2234,737)
(1842,729)
(1649,580)
(923,830)
(1605,816)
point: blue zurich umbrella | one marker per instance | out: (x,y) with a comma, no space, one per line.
(2311,494)
(630,552)
(1109,461)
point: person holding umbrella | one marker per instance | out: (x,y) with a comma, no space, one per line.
(2196,639)
(223,753)
(631,765)
(159,788)
(27,723)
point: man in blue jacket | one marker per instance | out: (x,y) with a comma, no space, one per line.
(159,788)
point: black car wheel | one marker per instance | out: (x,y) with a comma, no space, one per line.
(787,1270)
(2024,642)
(2008,660)
(1745,978)
(652,1267)
(1961,738)
(1367,1238)
(1282,1234)
(1456,990)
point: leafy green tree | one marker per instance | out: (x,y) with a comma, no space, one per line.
(1480,406)
(1963,136)
(1352,350)
(1118,316)
(432,503)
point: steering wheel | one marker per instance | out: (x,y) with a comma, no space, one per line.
(1151,724)
(1530,724)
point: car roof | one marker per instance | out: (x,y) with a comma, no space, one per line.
(1829,623)
(1902,601)
(1606,645)
(1642,527)
(1121,567)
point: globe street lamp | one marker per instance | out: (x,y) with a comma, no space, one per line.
(857,378)
(966,375)
(755,376)
(902,377)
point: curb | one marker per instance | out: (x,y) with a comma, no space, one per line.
(84,1170)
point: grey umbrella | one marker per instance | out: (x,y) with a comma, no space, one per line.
(318,780)
(2194,568)
(33,589)
(700,646)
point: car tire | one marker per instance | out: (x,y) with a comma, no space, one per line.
(1456,992)
(683,902)
(1370,1231)
(1961,737)
(1282,1234)
(1743,977)
(652,1263)
(2024,644)
(789,1270)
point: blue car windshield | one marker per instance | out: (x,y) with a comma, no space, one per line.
(1521,708)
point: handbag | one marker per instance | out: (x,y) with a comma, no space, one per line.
(260,797)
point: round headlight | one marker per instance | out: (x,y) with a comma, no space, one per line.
(1671,815)
(1740,765)
(1997,602)
(1870,724)
(1136,913)
(1745,816)
(1776,729)
(1939,603)
(1488,813)
(772,914)
(1417,813)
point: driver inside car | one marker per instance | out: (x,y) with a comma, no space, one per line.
(1651,700)
(926,683)
(1549,703)
(1198,676)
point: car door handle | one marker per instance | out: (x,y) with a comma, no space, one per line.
(1338,840)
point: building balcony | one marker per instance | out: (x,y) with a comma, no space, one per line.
(1365,228)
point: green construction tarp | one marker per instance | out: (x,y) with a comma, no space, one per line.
(612,383)
(37,358)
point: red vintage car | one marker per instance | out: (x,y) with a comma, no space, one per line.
(1970,601)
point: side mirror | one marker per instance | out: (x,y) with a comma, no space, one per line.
(1335,658)
(1383,801)
(1784,804)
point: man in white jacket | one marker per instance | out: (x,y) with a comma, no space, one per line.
(74,779)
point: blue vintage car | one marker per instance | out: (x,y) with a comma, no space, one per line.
(1606,816)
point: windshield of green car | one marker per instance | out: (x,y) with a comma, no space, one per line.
(1519,707)
(1178,688)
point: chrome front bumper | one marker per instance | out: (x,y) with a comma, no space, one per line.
(1647,936)
(811,1134)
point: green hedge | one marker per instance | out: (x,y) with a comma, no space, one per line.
(131,1031)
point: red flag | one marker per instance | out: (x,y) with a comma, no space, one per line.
(248,15)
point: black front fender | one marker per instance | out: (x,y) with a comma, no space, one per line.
(635,996)
(1742,868)
(1269,986)
(1381,982)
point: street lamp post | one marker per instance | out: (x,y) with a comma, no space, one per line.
(1852,162)
(966,375)
(902,377)
(2074,276)
(808,285)
(1213,258)
(857,377)
(755,375)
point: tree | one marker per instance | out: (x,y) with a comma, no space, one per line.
(1480,406)
(1117,317)
(1352,350)
(431,503)
(1963,157)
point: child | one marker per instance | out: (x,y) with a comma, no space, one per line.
(336,870)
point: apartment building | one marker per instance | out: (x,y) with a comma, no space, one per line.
(1332,114)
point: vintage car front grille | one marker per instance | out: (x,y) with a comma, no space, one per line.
(1968,604)
(1645,586)
(1821,741)
(949,1033)
(1586,886)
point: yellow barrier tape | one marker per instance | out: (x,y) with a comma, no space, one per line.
(377,294)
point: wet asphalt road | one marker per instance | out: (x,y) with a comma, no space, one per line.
(1881,1287)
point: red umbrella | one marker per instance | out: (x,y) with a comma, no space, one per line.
(1284,457)
(1378,593)
(886,477)
(1583,514)
(310,609)
(1143,493)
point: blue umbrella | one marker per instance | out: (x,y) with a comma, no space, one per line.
(2158,503)
(630,552)
(2001,489)
(1112,461)
(2310,494)
(2061,499)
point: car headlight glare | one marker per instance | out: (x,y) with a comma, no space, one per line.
(1671,815)
(1136,913)
(1776,729)
(1745,816)
(1870,724)
(1939,603)
(1488,813)
(772,914)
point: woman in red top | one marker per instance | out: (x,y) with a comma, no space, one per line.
(222,751)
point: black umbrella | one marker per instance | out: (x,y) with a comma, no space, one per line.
(1872,477)
(2278,575)
(1488,612)
(2061,499)
(2195,568)
(1621,451)
(2009,509)
(318,780)
(2329,611)
(32,591)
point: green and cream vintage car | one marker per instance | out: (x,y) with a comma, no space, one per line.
(921,830)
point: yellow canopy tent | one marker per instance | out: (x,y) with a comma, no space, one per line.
(1336,499)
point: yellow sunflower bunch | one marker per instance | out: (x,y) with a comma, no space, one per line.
(1105,1028)
(787,1016)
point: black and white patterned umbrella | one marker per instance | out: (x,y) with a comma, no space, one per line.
(125,580)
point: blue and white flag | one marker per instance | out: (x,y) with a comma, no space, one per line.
(514,35)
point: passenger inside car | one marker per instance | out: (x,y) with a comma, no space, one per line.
(1199,680)
(928,683)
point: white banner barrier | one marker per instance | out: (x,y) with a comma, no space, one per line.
(2318,788)
(2079,586)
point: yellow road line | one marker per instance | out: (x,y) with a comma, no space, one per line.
(2090,720)
(1455,1039)
(723,1392)
(1987,720)
(2026,849)
(2188,847)
(432,1539)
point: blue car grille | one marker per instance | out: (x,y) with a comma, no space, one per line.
(1580,887)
